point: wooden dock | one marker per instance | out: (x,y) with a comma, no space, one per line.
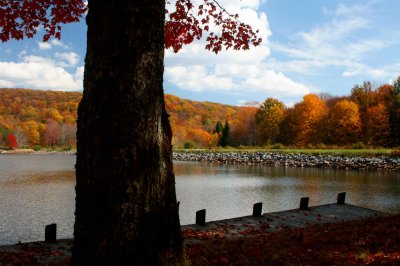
(269,222)
(258,223)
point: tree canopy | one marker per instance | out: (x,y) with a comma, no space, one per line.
(185,21)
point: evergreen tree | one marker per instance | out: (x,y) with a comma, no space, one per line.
(223,141)
(219,128)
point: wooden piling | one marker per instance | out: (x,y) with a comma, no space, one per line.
(201,217)
(50,233)
(304,203)
(257,209)
(341,197)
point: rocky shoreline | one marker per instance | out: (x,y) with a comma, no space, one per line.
(69,152)
(32,151)
(268,159)
(294,160)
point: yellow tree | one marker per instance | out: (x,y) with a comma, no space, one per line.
(268,119)
(344,123)
(306,117)
(42,130)
(31,131)
(52,113)
(213,140)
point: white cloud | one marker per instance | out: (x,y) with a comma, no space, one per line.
(346,10)
(330,41)
(44,45)
(272,83)
(198,78)
(48,45)
(56,42)
(385,72)
(79,73)
(196,54)
(6,84)
(234,79)
(232,72)
(38,73)
(68,59)
(350,73)
(345,42)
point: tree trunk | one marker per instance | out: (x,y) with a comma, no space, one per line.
(126,209)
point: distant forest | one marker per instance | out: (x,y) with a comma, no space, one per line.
(368,117)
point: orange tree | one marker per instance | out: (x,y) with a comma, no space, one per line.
(343,123)
(378,126)
(126,210)
(305,118)
(244,127)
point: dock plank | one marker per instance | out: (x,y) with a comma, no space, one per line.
(296,218)
(241,226)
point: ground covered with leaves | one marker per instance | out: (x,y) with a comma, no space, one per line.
(372,241)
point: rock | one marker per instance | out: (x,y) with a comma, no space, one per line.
(292,160)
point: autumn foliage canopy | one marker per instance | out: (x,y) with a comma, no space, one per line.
(19,18)
(185,22)
(48,118)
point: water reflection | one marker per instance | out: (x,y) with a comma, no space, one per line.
(226,190)
(36,190)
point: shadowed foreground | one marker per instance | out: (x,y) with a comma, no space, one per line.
(371,241)
(294,237)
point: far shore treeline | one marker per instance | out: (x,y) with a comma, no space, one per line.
(368,117)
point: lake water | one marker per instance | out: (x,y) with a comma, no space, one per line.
(36,190)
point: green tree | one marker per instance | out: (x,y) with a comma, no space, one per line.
(218,128)
(223,141)
(3,135)
(268,120)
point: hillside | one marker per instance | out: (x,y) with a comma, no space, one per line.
(368,117)
(195,122)
(48,118)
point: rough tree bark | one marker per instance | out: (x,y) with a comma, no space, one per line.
(126,209)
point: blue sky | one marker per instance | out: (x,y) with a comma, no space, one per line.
(310,46)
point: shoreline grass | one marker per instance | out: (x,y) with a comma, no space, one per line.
(335,151)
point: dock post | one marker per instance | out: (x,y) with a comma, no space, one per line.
(201,217)
(50,233)
(257,209)
(304,203)
(341,198)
